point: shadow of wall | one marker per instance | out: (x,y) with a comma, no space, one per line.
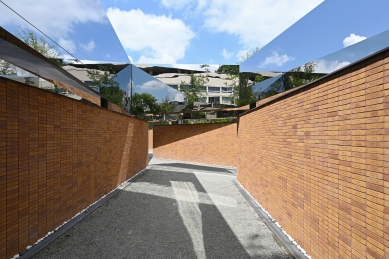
(58,156)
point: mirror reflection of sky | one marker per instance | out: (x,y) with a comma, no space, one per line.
(145,83)
(330,27)
(80,27)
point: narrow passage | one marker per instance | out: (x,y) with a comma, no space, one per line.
(173,210)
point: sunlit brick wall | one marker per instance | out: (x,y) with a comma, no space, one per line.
(57,156)
(151,139)
(317,161)
(200,143)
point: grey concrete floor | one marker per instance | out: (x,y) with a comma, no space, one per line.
(173,210)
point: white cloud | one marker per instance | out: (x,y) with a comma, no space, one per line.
(55,18)
(325,66)
(152,85)
(176,4)
(275,59)
(184,4)
(89,47)
(352,39)
(255,21)
(67,44)
(131,59)
(226,54)
(162,39)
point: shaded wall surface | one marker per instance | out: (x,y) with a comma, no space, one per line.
(199,143)
(318,161)
(57,156)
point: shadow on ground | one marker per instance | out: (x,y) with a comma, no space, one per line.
(171,214)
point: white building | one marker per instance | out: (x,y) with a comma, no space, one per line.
(218,89)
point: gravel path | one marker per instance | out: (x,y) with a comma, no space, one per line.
(173,210)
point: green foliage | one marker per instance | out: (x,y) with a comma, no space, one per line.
(28,81)
(7,68)
(206,121)
(192,90)
(104,82)
(296,77)
(243,87)
(228,69)
(164,106)
(40,44)
(144,103)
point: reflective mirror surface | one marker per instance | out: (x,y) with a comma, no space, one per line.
(330,27)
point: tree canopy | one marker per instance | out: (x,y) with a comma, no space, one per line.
(40,44)
(104,82)
(144,103)
(7,68)
(193,90)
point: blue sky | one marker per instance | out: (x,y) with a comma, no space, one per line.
(333,26)
(185,32)
(158,31)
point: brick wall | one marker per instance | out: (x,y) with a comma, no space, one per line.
(200,143)
(317,161)
(57,156)
(151,139)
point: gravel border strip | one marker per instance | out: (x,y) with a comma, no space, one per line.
(287,240)
(51,236)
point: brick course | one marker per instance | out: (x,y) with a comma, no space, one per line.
(316,160)
(151,139)
(57,156)
(200,143)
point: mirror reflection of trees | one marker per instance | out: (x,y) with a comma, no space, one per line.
(104,82)
(7,69)
(297,77)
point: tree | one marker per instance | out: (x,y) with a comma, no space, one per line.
(7,69)
(294,78)
(193,89)
(240,82)
(165,106)
(40,44)
(104,82)
(144,103)
(47,50)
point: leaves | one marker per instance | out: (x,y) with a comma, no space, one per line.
(144,103)
(7,68)
(193,90)
(104,82)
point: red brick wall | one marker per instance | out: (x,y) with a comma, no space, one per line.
(317,161)
(200,143)
(57,156)
(151,139)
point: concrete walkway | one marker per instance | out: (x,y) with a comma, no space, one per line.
(173,210)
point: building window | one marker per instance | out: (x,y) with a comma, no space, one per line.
(226,100)
(213,89)
(203,99)
(214,99)
(203,88)
(226,89)
(174,86)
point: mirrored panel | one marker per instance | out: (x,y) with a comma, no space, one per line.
(315,69)
(75,29)
(331,26)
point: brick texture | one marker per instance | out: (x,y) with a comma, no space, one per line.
(200,143)
(151,139)
(317,160)
(57,156)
